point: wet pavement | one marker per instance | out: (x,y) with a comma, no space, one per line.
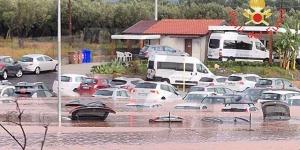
(130,126)
(45,77)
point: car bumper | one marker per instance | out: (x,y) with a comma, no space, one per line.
(28,68)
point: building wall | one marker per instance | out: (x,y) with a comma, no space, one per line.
(176,43)
(198,50)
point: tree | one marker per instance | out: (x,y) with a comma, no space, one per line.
(22,15)
(286,45)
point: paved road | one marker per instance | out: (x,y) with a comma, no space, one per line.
(46,77)
(49,77)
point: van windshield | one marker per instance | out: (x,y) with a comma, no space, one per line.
(214,43)
(151,65)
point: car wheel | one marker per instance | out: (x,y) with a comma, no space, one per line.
(231,59)
(37,70)
(204,107)
(4,76)
(19,74)
(56,68)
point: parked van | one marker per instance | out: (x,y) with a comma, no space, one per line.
(171,69)
(234,46)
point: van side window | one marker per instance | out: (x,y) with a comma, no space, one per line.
(201,69)
(214,43)
(188,67)
(237,44)
(151,65)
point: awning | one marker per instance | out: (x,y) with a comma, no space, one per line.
(135,37)
(248,28)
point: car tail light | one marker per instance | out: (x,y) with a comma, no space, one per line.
(133,91)
(154,91)
(241,82)
(211,84)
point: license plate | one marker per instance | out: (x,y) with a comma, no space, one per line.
(85,87)
(143,94)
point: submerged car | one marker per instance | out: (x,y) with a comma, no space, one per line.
(276,83)
(193,100)
(90,85)
(218,90)
(294,101)
(276,110)
(112,93)
(211,81)
(155,91)
(89,110)
(280,95)
(253,94)
(240,82)
(69,84)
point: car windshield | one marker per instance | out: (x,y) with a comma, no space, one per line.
(146,85)
(26,59)
(294,102)
(234,78)
(24,87)
(270,96)
(192,89)
(104,92)
(206,79)
(195,97)
(264,82)
(253,93)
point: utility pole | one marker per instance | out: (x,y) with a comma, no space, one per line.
(59,60)
(70,21)
(156,15)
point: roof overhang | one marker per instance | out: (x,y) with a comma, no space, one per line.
(135,37)
(249,29)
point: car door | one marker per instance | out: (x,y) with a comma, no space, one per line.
(122,95)
(287,85)
(42,63)
(174,95)
(49,63)
(278,84)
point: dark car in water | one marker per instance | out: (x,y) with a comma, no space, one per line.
(276,83)
(89,110)
(9,67)
(276,110)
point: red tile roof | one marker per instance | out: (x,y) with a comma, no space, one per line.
(183,26)
(139,27)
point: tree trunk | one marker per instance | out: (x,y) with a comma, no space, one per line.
(21,42)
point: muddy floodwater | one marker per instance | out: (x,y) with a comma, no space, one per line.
(130,129)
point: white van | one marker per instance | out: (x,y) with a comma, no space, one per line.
(171,69)
(234,46)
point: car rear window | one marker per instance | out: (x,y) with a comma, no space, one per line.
(104,92)
(66,79)
(88,80)
(214,43)
(26,59)
(23,87)
(234,78)
(118,82)
(206,79)
(146,85)
(270,96)
(196,89)
(264,82)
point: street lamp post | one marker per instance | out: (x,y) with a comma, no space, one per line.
(59,60)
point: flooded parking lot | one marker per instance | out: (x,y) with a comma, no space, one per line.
(130,126)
